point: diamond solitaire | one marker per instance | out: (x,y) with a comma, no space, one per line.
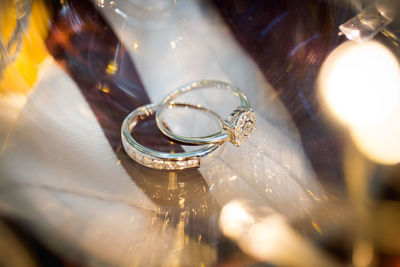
(237,128)
(240,125)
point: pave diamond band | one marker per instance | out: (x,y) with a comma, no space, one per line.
(236,128)
(162,160)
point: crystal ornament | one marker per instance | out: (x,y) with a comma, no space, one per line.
(368,22)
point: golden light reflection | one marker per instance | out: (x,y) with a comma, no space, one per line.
(360,86)
(103,87)
(172,181)
(363,254)
(112,67)
(181,202)
(312,195)
(317,228)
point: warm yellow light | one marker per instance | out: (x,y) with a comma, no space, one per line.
(360,83)
(234,219)
(381,141)
(360,86)
(268,236)
(112,67)
(21,74)
(267,239)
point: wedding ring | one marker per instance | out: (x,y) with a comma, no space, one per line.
(163,160)
(236,128)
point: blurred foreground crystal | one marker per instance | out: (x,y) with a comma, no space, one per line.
(268,236)
(370,21)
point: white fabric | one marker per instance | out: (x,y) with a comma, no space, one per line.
(63,177)
(191,42)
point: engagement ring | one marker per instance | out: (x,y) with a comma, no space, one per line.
(237,128)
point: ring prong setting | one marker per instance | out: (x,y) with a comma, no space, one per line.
(240,125)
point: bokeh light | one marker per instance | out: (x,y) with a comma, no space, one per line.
(360,85)
(234,218)
(268,236)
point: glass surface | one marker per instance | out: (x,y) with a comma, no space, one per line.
(309,188)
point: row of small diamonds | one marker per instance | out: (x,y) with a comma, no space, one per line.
(163,164)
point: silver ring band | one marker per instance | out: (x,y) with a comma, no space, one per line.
(236,128)
(163,160)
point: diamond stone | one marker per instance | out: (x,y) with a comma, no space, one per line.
(240,125)
(170,165)
(192,163)
(158,164)
(138,157)
(164,164)
(247,128)
(181,164)
(147,161)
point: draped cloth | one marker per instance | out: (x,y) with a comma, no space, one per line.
(67,176)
